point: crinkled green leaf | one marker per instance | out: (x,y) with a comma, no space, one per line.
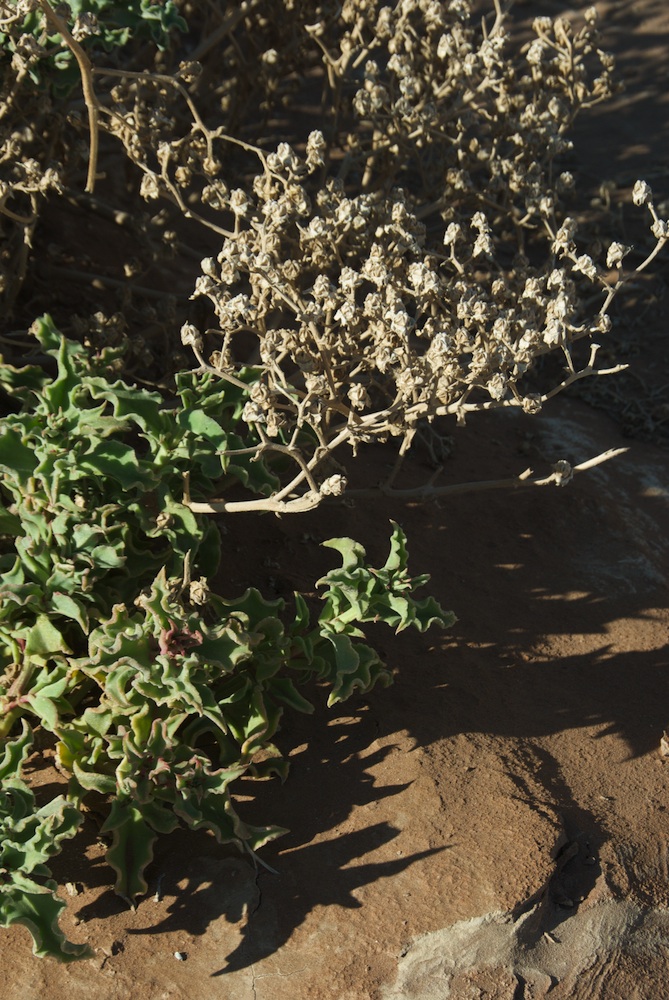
(131,850)
(159,817)
(58,820)
(15,456)
(15,752)
(203,425)
(57,393)
(130,403)
(352,553)
(44,639)
(284,689)
(22,382)
(51,684)
(428,612)
(367,671)
(44,329)
(68,607)
(29,836)
(398,550)
(46,709)
(253,605)
(39,911)
(119,462)
(94,781)
(301,620)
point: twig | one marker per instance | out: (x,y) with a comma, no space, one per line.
(562,474)
(309,501)
(86,71)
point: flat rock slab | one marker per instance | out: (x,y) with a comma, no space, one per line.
(599,948)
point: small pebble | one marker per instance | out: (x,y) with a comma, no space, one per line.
(180,956)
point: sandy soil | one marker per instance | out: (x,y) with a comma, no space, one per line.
(495,824)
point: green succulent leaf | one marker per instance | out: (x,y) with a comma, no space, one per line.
(38,908)
(28,837)
(15,752)
(131,850)
(284,689)
(118,462)
(69,607)
(352,552)
(44,639)
(21,382)
(15,456)
(93,781)
(357,593)
(397,560)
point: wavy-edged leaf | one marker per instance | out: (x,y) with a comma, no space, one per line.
(253,605)
(284,689)
(22,382)
(353,554)
(44,639)
(355,666)
(70,608)
(130,403)
(39,911)
(429,612)
(397,560)
(15,456)
(57,394)
(44,329)
(118,461)
(131,850)
(15,753)
(46,709)
(94,781)
(159,817)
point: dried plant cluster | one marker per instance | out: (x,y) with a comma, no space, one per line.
(412,257)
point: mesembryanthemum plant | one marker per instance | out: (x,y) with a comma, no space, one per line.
(159,693)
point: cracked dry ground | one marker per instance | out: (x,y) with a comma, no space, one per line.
(495,824)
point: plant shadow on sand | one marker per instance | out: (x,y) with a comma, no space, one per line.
(210,882)
(532,577)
